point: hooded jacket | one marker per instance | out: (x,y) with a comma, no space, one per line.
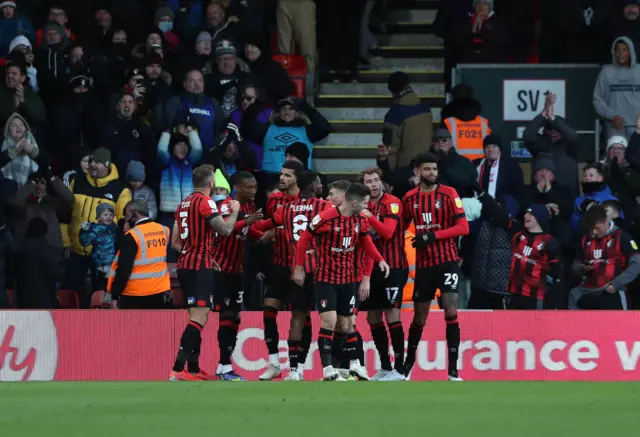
(598,196)
(21,164)
(617,90)
(9,29)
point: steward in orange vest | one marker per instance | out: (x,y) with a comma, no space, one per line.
(139,277)
(467,136)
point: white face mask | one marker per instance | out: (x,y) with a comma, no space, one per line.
(166,26)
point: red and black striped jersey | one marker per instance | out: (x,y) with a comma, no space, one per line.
(281,255)
(229,251)
(295,217)
(608,255)
(197,235)
(337,237)
(434,211)
(531,261)
(388,210)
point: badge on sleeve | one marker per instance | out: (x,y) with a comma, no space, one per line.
(458,202)
(395,208)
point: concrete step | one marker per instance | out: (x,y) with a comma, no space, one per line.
(408,39)
(423,89)
(344,152)
(381,76)
(428,52)
(413,4)
(419,27)
(369,100)
(396,15)
(355,114)
(352,140)
(342,165)
(434,65)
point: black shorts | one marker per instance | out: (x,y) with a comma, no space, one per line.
(301,298)
(197,287)
(229,291)
(340,298)
(386,293)
(447,277)
(278,284)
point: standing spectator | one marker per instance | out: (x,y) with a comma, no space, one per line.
(21,148)
(401,179)
(164,18)
(101,235)
(202,58)
(614,95)
(622,178)
(628,23)
(16,95)
(13,24)
(341,37)
(52,62)
(232,154)
(269,72)
(20,52)
(154,43)
(38,268)
(253,106)
(136,176)
(595,191)
(498,174)
(218,25)
(189,13)
(157,90)
(408,125)
(224,81)
(59,15)
(297,24)
(82,166)
(454,169)
(558,142)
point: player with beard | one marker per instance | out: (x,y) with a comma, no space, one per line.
(197,222)
(228,252)
(438,216)
(338,232)
(294,217)
(279,286)
(387,228)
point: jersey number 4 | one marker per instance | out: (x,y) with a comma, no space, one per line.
(183,224)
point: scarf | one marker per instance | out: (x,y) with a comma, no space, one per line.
(492,176)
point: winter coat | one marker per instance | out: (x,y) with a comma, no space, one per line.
(492,44)
(224,88)
(598,196)
(38,268)
(52,64)
(456,171)
(491,259)
(259,113)
(510,178)
(407,129)
(145,193)
(559,226)
(9,29)
(128,140)
(273,76)
(176,176)
(21,164)
(32,109)
(103,239)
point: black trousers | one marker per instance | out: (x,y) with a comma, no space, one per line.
(517,302)
(340,33)
(151,302)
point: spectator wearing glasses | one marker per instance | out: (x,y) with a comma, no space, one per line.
(454,169)
(59,15)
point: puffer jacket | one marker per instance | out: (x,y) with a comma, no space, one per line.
(492,260)
(103,239)
(88,193)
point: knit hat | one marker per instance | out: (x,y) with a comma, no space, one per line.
(163,11)
(490,2)
(225,47)
(19,40)
(55,26)
(492,139)
(221,181)
(541,214)
(178,138)
(544,162)
(617,139)
(102,155)
(8,3)
(153,58)
(441,133)
(135,171)
(398,80)
(102,207)
(205,36)
(288,101)
(300,151)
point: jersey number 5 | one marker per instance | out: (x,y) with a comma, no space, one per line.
(184,225)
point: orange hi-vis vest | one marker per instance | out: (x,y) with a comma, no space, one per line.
(407,292)
(150,274)
(467,136)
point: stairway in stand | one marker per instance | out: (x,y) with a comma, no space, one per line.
(356,111)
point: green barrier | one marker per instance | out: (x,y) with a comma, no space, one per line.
(513,94)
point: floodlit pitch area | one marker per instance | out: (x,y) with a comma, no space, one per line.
(319,409)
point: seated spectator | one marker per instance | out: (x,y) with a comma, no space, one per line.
(197,105)
(271,73)
(13,24)
(453,169)
(127,137)
(623,179)
(558,142)
(101,235)
(232,154)
(498,174)
(219,25)
(20,52)
(164,20)
(16,95)
(613,210)
(224,81)
(483,38)
(136,175)
(52,61)
(39,267)
(595,192)
(21,148)
(59,15)
(252,106)
(613,96)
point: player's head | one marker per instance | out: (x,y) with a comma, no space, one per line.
(596,219)
(336,192)
(204,179)
(427,166)
(356,198)
(309,183)
(289,175)
(613,208)
(136,210)
(372,178)
(246,186)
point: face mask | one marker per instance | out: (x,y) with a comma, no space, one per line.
(219,197)
(592,187)
(165,26)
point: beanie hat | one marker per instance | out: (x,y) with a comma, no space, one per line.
(8,3)
(617,139)
(221,181)
(178,138)
(544,162)
(225,47)
(102,155)
(135,171)
(300,151)
(541,214)
(490,2)
(462,91)
(204,36)
(19,40)
(102,207)
(153,58)
(163,11)
(398,80)
(37,228)
(492,139)
(441,133)
(55,26)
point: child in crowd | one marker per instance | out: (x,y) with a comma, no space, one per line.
(135,177)
(223,189)
(102,236)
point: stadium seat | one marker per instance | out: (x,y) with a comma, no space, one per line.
(68,299)
(11,297)
(296,67)
(97,300)
(177,297)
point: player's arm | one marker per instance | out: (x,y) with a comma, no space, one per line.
(250,220)
(630,250)
(176,242)
(223,226)
(272,222)
(126,258)
(254,233)
(406,214)
(384,229)
(371,251)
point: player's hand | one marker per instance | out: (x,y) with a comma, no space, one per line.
(586,204)
(586,268)
(421,240)
(384,267)
(234,205)
(255,217)
(114,305)
(216,266)
(299,276)
(365,288)
(268,236)
(610,289)
(366,213)
(85,226)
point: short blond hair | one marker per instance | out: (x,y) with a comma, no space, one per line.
(202,175)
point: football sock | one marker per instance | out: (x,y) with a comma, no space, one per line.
(337,349)
(415,334)
(294,353)
(359,346)
(188,343)
(325,343)
(397,343)
(380,339)
(226,340)
(305,344)
(236,328)
(453,341)
(193,361)
(351,347)
(271,337)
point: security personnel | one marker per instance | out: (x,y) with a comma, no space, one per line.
(139,277)
(467,136)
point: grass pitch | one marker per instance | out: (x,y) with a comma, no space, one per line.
(311,409)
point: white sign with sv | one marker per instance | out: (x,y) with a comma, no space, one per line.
(523,99)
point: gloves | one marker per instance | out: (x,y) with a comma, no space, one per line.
(421,240)
(85,226)
(586,203)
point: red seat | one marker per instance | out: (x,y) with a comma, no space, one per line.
(177,297)
(68,299)
(97,299)
(296,67)
(11,297)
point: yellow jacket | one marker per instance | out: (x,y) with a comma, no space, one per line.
(88,193)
